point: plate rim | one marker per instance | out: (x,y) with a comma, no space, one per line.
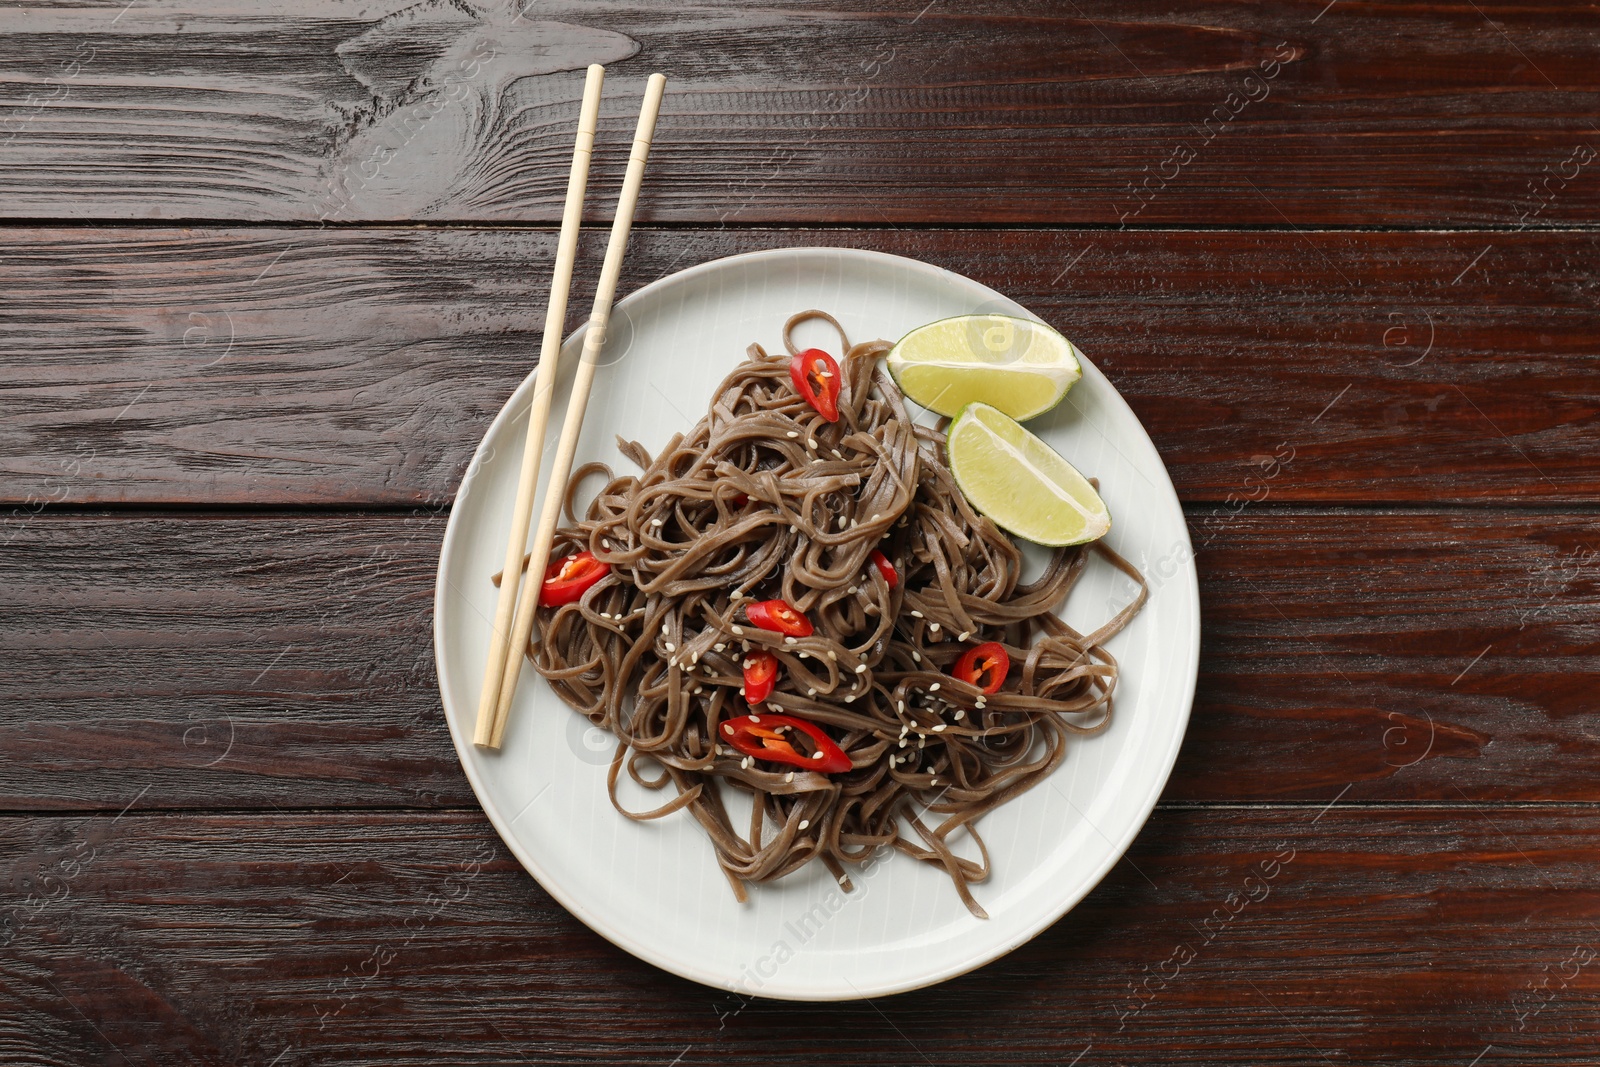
(685,968)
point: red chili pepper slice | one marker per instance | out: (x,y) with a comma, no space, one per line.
(778,616)
(566,579)
(984,666)
(740,499)
(760,675)
(885,568)
(816,377)
(760,736)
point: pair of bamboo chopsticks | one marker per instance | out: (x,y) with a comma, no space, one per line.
(513,619)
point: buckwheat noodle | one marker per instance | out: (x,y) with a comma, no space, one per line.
(652,653)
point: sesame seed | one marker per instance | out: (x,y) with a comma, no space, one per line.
(904,742)
(843,522)
(940,727)
(875,518)
(916,614)
(853,590)
(934,688)
(832,654)
(921,741)
(665,629)
(791,435)
(718,647)
(673,663)
(811,692)
(811,442)
(791,640)
(861,668)
(816,755)
(981,703)
(604,543)
(849,698)
(916,657)
(960,714)
(746,762)
(804,654)
(964,635)
(789,777)
(837,454)
(741,693)
(755,718)
(738,631)
(699,689)
(657,522)
(804,823)
(934,627)
(725,727)
(671,647)
(934,782)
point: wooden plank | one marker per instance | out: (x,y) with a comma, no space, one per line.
(357,367)
(281,660)
(261,660)
(1445,657)
(1404,113)
(1406,936)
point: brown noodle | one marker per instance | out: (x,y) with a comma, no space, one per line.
(652,653)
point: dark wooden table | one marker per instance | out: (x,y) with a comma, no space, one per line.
(267,271)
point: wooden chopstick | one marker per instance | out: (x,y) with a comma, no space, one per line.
(594,340)
(539,413)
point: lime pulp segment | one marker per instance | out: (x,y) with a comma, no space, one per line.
(1020,482)
(1018,366)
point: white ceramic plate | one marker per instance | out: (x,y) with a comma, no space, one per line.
(654,888)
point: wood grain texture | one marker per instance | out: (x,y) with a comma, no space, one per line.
(233,661)
(1447,657)
(356,367)
(254,661)
(1029,111)
(1377,845)
(1405,937)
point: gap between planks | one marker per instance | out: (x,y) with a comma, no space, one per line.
(1265,807)
(1200,508)
(668,226)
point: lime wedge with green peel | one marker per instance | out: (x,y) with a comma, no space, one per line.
(1019,366)
(1022,483)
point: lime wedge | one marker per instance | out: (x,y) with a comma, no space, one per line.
(1019,366)
(1022,483)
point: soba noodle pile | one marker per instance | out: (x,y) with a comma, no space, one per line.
(653,652)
